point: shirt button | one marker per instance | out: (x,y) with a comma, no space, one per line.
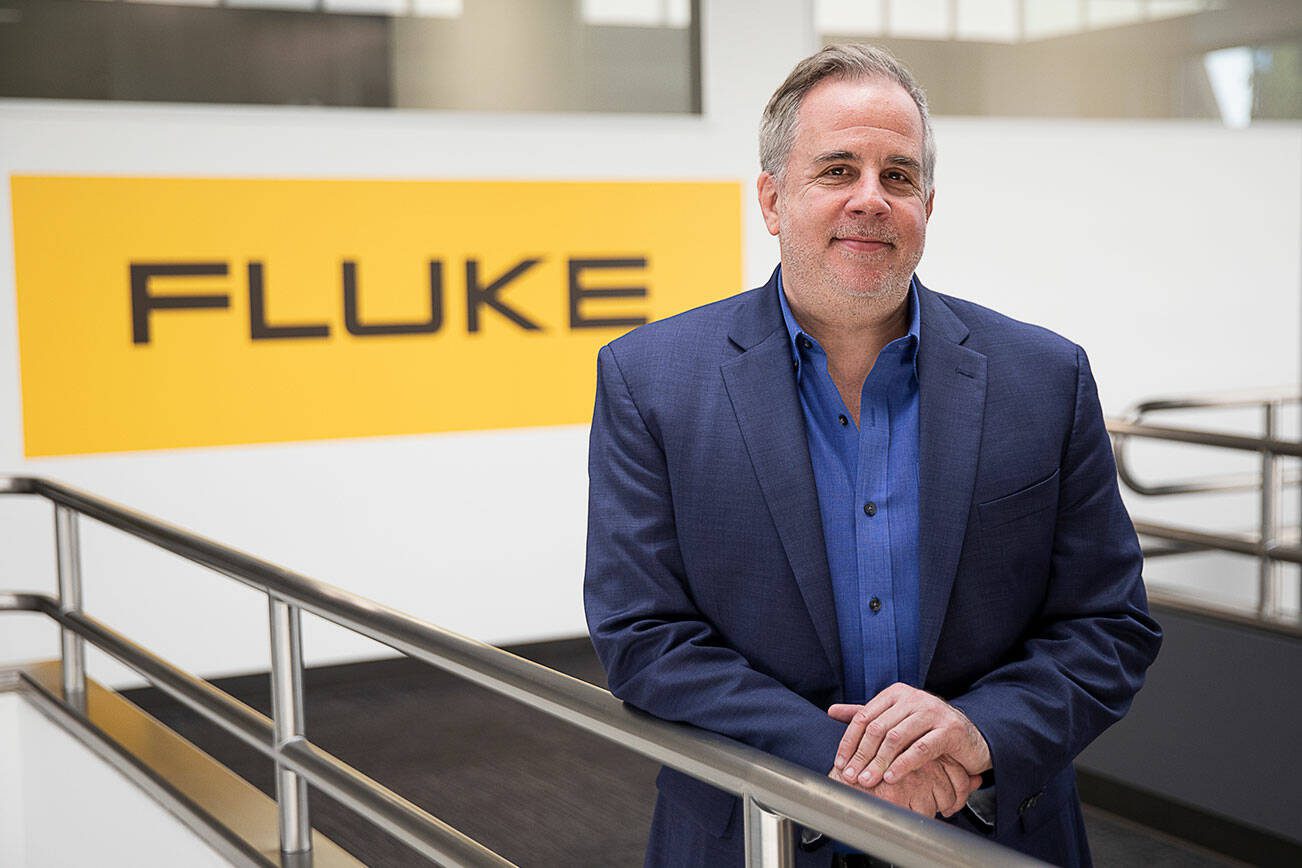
(806,342)
(844,421)
(870,509)
(795,364)
(874,605)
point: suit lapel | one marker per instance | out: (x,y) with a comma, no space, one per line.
(762,388)
(951,396)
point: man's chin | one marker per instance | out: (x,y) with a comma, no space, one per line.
(891,288)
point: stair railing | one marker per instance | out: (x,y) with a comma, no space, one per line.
(1272,545)
(776,795)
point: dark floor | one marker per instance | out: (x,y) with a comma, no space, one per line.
(1117,841)
(537,791)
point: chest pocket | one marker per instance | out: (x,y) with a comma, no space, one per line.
(1017,532)
(1030,500)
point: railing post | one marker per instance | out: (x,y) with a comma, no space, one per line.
(1272,489)
(287,715)
(67,551)
(770,837)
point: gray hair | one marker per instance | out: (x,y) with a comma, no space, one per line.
(841,61)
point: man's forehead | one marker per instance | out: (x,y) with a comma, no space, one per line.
(876,87)
(861,106)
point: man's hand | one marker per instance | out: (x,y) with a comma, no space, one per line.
(901,730)
(939,787)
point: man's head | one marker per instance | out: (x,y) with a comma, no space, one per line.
(848,156)
(843,61)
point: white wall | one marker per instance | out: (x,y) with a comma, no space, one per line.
(104,819)
(12,831)
(1169,249)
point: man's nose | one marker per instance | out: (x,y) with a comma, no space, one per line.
(868,197)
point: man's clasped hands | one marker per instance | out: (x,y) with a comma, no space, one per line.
(912,749)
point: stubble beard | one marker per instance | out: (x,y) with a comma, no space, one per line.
(878,288)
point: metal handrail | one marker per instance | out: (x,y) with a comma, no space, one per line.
(1267,545)
(776,794)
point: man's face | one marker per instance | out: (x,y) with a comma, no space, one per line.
(850,211)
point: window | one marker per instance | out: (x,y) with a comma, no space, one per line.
(1236,60)
(497,55)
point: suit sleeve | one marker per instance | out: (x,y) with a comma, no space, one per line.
(1086,656)
(659,651)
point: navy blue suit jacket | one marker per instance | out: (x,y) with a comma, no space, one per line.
(707,588)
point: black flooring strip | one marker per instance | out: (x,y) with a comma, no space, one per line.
(535,790)
(539,792)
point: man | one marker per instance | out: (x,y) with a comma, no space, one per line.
(866,527)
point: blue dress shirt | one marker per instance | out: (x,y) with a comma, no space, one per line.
(867,480)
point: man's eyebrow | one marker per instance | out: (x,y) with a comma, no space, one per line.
(851,157)
(906,162)
(836,157)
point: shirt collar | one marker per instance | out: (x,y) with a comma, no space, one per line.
(795,332)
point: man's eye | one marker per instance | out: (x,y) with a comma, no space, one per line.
(837,171)
(898,177)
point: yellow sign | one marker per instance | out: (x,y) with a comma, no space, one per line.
(156,313)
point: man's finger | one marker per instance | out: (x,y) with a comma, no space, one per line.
(893,741)
(889,696)
(863,715)
(959,784)
(927,748)
(943,790)
(923,802)
(850,739)
(872,733)
(843,711)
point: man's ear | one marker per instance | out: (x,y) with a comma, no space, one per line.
(931,200)
(767,187)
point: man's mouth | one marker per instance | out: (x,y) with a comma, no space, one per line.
(862,242)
